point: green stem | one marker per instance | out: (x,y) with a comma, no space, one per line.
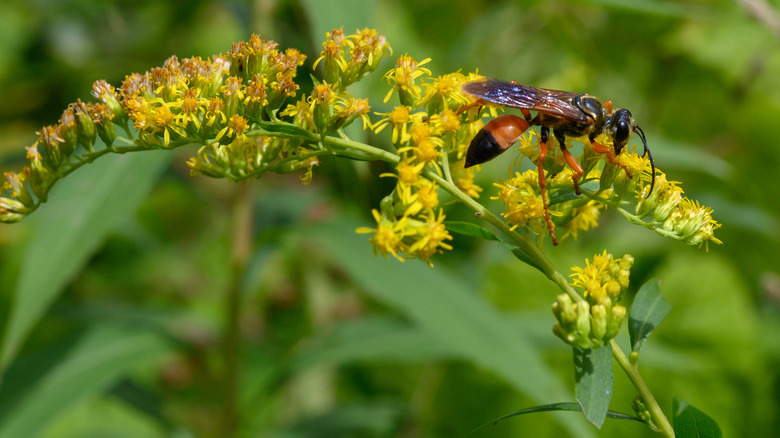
(523,242)
(633,374)
(231,339)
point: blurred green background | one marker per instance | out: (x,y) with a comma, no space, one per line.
(113,296)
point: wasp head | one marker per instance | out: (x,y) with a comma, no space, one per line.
(619,128)
(620,125)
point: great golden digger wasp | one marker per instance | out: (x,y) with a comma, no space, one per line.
(564,112)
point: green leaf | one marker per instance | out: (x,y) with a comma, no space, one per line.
(439,303)
(367,419)
(594,381)
(103,355)
(690,422)
(469,229)
(523,256)
(82,209)
(563,406)
(647,311)
(374,339)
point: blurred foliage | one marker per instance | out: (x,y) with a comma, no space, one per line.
(120,279)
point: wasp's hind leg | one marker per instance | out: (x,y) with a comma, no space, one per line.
(545,135)
(572,162)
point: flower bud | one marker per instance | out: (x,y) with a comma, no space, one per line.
(671,199)
(598,322)
(69,135)
(647,204)
(616,316)
(37,172)
(582,325)
(50,140)
(609,176)
(11,210)
(104,92)
(16,181)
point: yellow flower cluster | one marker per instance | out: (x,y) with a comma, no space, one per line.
(592,322)
(523,203)
(675,215)
(430,136)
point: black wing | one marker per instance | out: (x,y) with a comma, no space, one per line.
(552,102)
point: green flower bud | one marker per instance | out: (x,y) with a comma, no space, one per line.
(583,323)
(608,176)
(616,316)
(104,92)
(85,125)
(107,132)
(671,199)
(16,181)
(37,173)
(69,135)
(598,323)
(646,203)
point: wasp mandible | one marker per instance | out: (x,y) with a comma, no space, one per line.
(564,112)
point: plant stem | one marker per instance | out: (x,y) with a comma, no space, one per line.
(534,252)
(231,342)
(633,374)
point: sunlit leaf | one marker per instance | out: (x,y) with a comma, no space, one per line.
(690,422)
(594,380)
(647,311)
(469,229)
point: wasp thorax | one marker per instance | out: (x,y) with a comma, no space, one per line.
(619,126)
(593,108)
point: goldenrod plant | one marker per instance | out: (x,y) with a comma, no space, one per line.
(246,115)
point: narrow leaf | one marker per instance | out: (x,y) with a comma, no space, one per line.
(103,355)
(523,256)
(594,380)
(82,209)
(469,229)
(563,406)
(690,422)
(438,302)
(647,311)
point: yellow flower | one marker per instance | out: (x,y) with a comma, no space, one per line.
(604,279)
(464,179)
(524,206)
(388,235)
(434,234)
(409,173)
(443,92)
(403,78)
(583,219)
(399,118)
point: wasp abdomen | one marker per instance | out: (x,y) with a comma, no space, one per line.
(494,138)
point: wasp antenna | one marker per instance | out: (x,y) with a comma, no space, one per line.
(641,134)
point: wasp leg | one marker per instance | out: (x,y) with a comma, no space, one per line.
(570,161)
(545,135)
(601,149)
(480,103)
(608,106)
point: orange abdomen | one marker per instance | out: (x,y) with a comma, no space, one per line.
(494,138)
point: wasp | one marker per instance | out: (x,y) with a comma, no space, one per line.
(563,112)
